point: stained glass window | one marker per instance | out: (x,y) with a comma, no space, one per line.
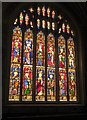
(43,57)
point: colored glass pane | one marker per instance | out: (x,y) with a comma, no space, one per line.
(27,66)
(40,83)
(43,24)
(31,24)
(48,25)
(68,28)
(63,27)
(38,10)
(27,83)
(53,14)
(71,70)
(14,86)
(62,69)
(40,49)
(16,45)
(28,47)
(21,18)
(26,19)
(53,26)
(43,11)
(38,23)
(50,50)
(31,10)
(51,84)
(48,12)
(40,67)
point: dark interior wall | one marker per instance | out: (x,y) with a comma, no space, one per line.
(79,13)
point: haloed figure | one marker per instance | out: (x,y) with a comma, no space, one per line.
(50,56)
(40,54)
(40,83)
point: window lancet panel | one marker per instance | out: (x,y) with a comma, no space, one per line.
(15,70)
(62,69)
(40,67)
(71,70)
(27,66)
(51,80)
